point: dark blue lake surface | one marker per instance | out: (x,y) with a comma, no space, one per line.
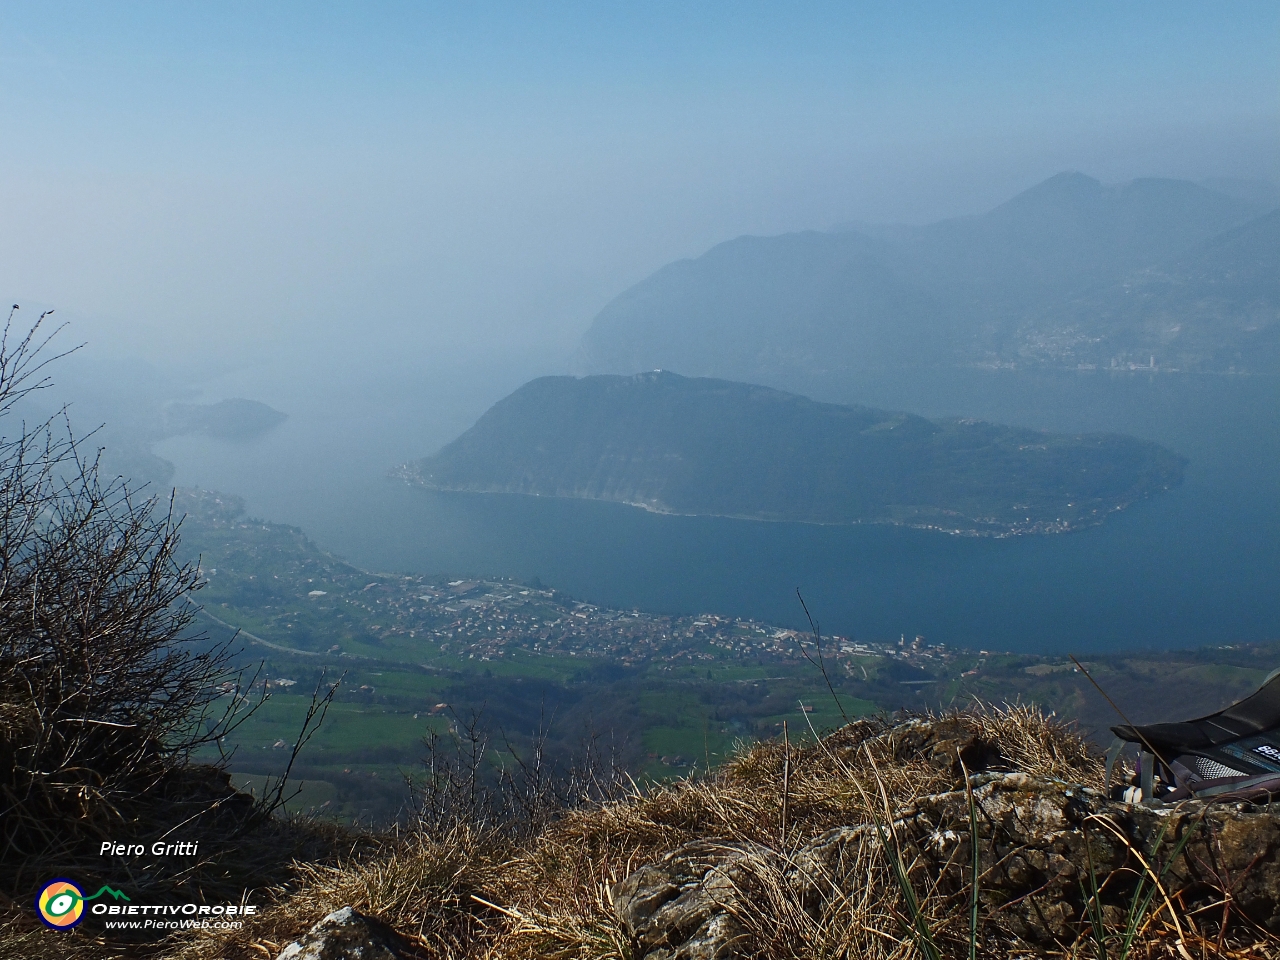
(1199,565)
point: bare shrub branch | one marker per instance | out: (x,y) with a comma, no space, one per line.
(104,693)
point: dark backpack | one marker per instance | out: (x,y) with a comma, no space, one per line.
(1233,754)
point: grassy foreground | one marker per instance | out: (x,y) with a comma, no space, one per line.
(473,889)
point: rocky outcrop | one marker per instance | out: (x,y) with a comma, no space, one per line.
(1039,841)
(347,935)
(687,906)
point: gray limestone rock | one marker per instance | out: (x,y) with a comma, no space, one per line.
(683,907)
(1037,838)
(346,935)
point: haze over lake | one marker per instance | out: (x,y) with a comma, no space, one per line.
(434,429)
(1196,565)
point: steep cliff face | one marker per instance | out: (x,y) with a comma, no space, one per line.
(712,447)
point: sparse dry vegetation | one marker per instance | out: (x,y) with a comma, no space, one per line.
(105,693)
(469,893)
(470,885)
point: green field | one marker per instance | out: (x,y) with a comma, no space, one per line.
(416,657)
(355,764)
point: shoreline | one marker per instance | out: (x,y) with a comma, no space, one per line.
(410,477)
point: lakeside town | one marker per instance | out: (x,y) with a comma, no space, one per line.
(300,598)
(417,652)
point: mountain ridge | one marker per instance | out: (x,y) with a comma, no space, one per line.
(1022,285)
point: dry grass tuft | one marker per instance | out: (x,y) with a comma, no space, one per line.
(477,894)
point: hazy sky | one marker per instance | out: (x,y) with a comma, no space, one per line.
(400,180)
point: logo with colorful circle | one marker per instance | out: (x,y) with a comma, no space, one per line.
(60,903)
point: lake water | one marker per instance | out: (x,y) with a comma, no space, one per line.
(1199,565)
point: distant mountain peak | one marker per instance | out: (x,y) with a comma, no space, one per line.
(1069,183)
(1043,279)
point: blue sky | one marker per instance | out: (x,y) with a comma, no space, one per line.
(197,180)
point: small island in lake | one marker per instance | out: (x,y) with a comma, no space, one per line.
(704,447)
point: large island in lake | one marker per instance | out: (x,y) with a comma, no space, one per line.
(706,447)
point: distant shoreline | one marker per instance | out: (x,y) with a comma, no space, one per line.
(408,474)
